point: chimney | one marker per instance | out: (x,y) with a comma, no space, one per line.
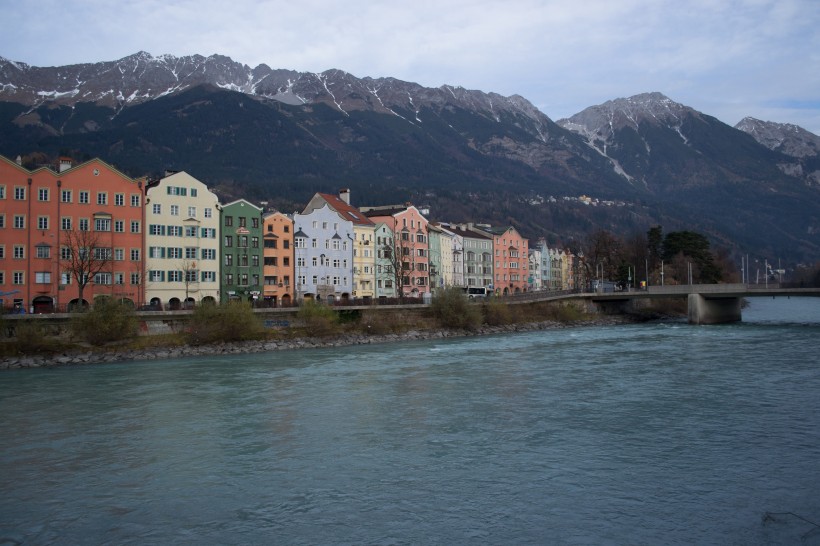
(65,164)
(344,195)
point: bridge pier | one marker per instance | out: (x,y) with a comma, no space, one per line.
(714,310)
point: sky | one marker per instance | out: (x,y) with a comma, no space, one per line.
(726,58)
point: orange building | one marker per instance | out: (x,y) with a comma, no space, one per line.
(43,215)
(278,265)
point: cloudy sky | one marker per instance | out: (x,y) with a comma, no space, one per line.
(726,58)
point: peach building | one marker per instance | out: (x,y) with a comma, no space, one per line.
(278,265)
(511,260)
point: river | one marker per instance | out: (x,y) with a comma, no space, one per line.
(659,433)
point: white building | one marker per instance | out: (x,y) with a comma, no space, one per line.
(323,250)
(181,242)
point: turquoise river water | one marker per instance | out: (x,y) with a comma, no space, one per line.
(660,433)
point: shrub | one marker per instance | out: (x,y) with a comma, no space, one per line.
(228,322)
(380,323)
(319,320)
(108,320)
(30,337)
(452,309)
(497,313)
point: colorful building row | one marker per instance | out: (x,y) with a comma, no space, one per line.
(170,243)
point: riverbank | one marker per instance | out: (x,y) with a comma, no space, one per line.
(114,354)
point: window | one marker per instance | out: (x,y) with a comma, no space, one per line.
(242,221)
(193,192)
(2,195)
(156,276)
(2,253)
(229,260)
(208,254)
(102,278)
(190,231)
(229,279)
(243,279)
(190,275)
(174,253)
(42,222)
(19,221)
(119,201)
(42,194)
(119,226)
(228,241)
(19,193)
(102,253)
(18,277)
(135,226)
(209,276)
(190,253)
(119,254)
(208,233)
(254,242)
(65,223)
(65,253)
(242,241)
(83,197)
(191,212)
(135,278)
(255,223)
(255,260)
(102,199)
(135,202)
(65,196)
(19,252)
(270,243)
(156,229)
(119,278)
(156,208)
(175,276)
(43,251)
(175,190)
(286,261)
(175,231)
(2,220)
(102,224)
(229,221)
(174,210)
(208,212)
(135,254)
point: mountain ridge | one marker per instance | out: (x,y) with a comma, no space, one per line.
(280,135)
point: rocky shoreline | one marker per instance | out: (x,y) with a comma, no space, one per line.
(116,355)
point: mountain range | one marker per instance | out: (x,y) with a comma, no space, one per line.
(279,136)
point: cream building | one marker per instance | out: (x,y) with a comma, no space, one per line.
(181,242)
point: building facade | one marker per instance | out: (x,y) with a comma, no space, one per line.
(181,242)
(242,252)
(278,264)
(364,252)
(323,250)
(67,231)
(409,255)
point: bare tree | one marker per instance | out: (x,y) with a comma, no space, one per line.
(189,277)
(84,257)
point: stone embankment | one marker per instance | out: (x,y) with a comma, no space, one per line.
(110,355)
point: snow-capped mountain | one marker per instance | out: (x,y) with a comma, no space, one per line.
(142,77)
(782,137)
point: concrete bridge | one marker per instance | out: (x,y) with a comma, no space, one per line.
(707,303)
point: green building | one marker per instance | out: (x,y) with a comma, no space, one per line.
(241,252)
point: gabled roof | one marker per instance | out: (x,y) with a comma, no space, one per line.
(348,212)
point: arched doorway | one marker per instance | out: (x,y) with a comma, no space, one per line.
(286,301)
(174,304)
(76,305)
(210,300)
(43,304)
(189,303)
(156,302)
